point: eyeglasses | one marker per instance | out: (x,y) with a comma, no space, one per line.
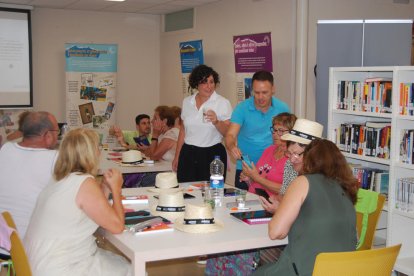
(293,154)
(279,131)
(58,130)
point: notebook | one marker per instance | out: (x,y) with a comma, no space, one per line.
(253,217)
(134,199)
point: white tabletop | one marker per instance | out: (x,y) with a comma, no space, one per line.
(236,235)
(158,166)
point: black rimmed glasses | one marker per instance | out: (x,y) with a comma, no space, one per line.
(279,131)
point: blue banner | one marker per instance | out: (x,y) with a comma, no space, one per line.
(91,57)
(191,53)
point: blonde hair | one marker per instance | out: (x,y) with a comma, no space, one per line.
(78,153)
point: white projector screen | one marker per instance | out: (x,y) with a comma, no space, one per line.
(15,59)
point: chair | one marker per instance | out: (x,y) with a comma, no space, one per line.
(373,218)
(372,262)
(17,252)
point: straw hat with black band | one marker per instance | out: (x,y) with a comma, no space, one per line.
(166,183)
(169,206)
(198,219)
(304,131)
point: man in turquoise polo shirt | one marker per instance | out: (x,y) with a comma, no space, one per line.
(249,131)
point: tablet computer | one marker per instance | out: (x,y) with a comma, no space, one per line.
(253,217)
(142,140)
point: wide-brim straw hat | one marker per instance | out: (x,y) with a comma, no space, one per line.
(166,182)
(169,206)
(198,219)
(304,131)
(132,156)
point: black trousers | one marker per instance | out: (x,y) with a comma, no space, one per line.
(194,162)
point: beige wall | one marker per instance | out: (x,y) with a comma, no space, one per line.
(138,39)
(149,65)
(216,24)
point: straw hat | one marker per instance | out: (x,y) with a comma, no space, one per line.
(166,182)
(198,219)
(169,206)
(132,156)
(304,131)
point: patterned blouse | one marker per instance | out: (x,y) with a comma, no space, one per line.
(289,174)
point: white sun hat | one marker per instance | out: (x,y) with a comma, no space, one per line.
(198,219)
(166,182)
(304,131)
(132,156)
(169,206)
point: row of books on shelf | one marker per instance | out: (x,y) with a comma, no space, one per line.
(371,179)
(405,195)
(406,146)
(372,95)
(369,139)
(406,106)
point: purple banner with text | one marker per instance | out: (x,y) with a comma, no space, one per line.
(253,53)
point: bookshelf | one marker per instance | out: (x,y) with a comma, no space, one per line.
(353,107)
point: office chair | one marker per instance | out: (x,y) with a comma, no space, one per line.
(371,262)
(372,215)
(17,252)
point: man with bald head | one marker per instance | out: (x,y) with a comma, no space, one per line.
(27,167)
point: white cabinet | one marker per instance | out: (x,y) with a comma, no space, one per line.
(400,223)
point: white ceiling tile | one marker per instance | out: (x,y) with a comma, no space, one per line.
(134,6)
(93,5)
(17,2)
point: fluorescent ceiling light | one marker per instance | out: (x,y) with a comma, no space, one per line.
(115,0)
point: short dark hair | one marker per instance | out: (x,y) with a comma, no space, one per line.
(263,76)
(35,123)
(200,73)
(140,117)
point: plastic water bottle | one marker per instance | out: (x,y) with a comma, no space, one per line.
(64,130)
(217,180)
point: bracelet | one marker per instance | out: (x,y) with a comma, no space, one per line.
(154,139)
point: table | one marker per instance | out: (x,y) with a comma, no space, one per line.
(235,236)
(158,166)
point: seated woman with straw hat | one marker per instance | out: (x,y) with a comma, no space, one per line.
(303,133)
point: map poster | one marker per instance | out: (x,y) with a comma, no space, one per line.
(91,71)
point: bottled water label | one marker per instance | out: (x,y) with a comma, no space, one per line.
(217,181)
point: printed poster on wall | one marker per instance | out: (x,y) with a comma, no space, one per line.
(191,54)
(9,125)
(91,71)
(252,53)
